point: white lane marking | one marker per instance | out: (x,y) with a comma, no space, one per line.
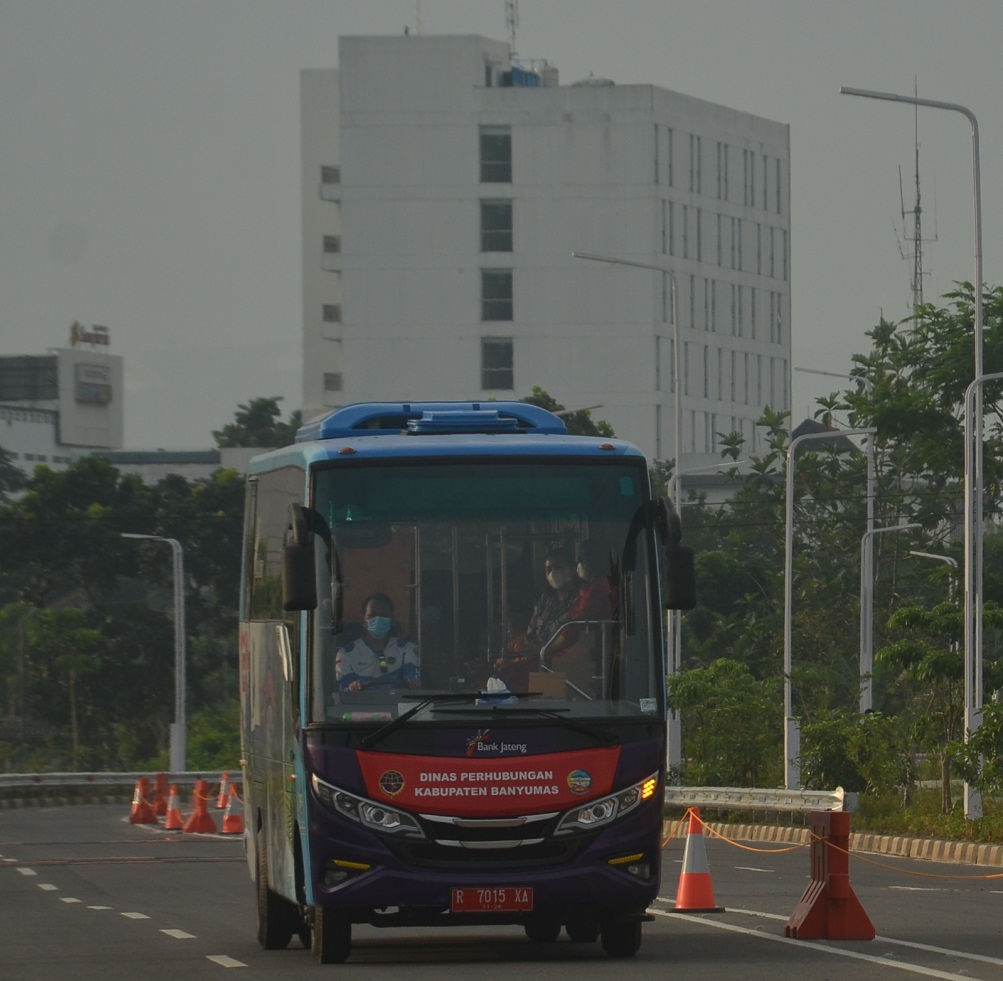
(751,868)
(135,916)
(69,899)
(917,889)
(179,934)
(47,886)
(815,945)
(25,871)
(946,951)
(100,907)
(225,961)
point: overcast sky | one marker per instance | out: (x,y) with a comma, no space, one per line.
(149,164)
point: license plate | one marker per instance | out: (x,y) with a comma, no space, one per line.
(494,899)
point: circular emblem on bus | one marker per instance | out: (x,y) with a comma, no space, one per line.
(392,782)
(579,781)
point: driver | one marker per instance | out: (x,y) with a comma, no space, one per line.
(377,659)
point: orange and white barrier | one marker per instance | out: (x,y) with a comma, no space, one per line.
(696,892)
(233,819)
(173,821)
(142,809)
(201,821)
(223,800)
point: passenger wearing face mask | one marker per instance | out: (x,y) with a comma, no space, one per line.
(553,607)
(377,659)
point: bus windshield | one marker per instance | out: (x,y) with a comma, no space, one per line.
(518,583)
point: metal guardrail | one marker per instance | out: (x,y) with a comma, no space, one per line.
(765,799)
(55,780)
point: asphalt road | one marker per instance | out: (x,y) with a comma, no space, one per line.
(86,896)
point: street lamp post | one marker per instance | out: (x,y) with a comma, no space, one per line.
(974,481)
(792,737)
(178,727)
(673,617)
(867,610)
(948,560)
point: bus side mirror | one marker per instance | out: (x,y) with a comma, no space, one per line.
(679,581)
(299,581)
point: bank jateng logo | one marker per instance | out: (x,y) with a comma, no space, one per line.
(579,781)
(482,743)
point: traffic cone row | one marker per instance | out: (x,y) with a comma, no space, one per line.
(201,821)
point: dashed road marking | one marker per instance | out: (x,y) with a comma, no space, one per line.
(100,907)
(135,916)
(179,934)
(47,886)
(225,961)
(69,899)
(25,871)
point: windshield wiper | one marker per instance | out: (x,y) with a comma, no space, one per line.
(586,728)
(424,702)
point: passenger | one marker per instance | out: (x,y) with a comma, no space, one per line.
(377,659)
(596,601)
(554,605)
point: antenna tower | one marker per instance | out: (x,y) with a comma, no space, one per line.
(916,278)
(511,22)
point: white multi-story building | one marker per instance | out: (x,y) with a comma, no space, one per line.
(59,406)
(444,192)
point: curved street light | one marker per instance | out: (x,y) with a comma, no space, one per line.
(792,730)
(178,727)
(974,481)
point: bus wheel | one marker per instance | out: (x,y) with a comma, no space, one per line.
(331,935)
(543,930)
(583,931)
(621,936)
(277,917)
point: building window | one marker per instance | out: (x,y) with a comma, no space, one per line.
(496,154)
(779,197)
(496,294)
(332,313)
(496,226)
(695,163)
(668,228)
(722,171)
(668,154)
(332,381)
(496,364)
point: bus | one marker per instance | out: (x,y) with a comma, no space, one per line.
(451,771)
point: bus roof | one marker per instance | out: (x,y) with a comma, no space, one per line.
(424,429)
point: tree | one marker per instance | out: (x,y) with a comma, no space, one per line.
(929,657)
(578,421)
(730,724)
(257,424)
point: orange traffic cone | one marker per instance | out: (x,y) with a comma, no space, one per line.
(160,795)
(233,820)
(173,821)
(142,810)
(224,792)
(695,893)
(201,822)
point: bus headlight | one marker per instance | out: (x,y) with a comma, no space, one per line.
(376,817)
(600,812)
